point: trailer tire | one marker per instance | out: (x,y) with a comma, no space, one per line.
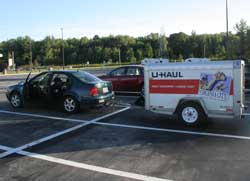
(191,114)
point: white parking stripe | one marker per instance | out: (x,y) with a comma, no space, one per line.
(87,166)
(42,116)
(175,131)
(60,133)
(43,140)
(53,117)
(5,148)
(142,127)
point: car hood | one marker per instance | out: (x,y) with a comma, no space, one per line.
(19,85)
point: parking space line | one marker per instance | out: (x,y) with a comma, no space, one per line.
(54,117)
(87,166)
(122,105)
(5,148)
(175,131)
(140,127)
(39,141)
(42,116)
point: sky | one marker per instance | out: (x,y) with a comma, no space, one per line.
(79,18)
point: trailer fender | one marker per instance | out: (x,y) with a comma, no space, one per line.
(196,100)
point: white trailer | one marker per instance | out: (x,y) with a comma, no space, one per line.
(196,91)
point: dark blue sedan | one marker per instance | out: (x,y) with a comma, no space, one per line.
(70,89)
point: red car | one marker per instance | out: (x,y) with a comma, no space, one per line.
(128,79)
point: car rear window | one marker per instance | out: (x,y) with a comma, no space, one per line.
(86,77)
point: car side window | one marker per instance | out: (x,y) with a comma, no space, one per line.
(42,79)
(118,72)
(141,71)
(133,71)
(60,81)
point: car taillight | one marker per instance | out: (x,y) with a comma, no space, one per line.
(93,91)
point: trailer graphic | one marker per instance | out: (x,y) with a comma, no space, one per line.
(216,86)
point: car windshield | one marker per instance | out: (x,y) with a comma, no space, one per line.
(86,77)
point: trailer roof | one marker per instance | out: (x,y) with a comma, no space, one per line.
(196,65)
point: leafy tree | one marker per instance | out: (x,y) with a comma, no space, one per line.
(241,30)
(163,47)
(107,55)
(178,43)
(139,54)
(148,52)
(98,49)
(89,56)
(115,55)
(130,56)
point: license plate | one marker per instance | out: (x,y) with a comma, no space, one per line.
(101,101)
(105,90)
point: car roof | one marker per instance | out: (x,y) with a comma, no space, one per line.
(63,71)
(131,66)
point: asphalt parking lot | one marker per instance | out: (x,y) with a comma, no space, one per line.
(123,142)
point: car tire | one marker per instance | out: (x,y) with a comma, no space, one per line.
(70,104)
(191,114)
(142,92)
(141,100)
(16,100)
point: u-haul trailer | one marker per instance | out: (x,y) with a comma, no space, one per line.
(196,91)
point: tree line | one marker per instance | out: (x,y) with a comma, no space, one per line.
(113,49)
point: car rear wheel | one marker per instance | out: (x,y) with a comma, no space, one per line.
(141,100)
(70,104)
(16,100)
(191,114)
(142,92)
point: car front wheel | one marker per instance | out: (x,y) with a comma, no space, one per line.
(70,105)
(16,100)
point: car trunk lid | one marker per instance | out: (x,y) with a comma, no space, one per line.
(104,87)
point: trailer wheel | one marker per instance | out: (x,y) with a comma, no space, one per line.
(191,114)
